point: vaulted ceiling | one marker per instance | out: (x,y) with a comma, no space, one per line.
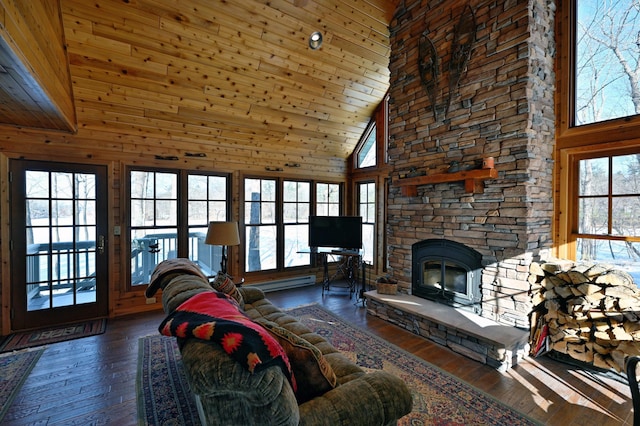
(232,73)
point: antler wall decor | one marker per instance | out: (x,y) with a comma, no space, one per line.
(428,61)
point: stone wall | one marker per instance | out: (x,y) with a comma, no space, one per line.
(503,107)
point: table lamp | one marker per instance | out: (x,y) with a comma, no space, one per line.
(223,234)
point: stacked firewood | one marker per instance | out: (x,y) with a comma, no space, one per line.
(588,312)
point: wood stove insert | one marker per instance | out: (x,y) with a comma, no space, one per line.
(448,272)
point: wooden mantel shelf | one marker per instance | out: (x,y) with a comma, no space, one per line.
(473,180)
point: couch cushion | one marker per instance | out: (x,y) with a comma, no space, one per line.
(314,376)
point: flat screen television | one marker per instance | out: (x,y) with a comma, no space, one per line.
(343,232)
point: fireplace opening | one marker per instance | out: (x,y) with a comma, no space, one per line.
(447,272)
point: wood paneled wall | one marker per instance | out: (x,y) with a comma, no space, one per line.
(233,81)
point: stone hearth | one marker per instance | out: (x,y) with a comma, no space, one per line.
(476,337)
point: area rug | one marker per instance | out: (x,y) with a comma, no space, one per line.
(162,391)
(29,339)
(438,397)
(14,370)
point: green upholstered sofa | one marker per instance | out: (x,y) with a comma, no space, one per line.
(228,394)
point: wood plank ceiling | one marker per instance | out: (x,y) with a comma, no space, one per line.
(35,90)
(192,74)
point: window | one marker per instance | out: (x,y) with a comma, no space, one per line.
(296,209)
(207,202)
(154,221)
(158,201)
(276,220)
(367,210)
(596,136)
(606,60)
(370,173)
(264,228)
(607,222)
(366,152)
(328,199)
(260,221)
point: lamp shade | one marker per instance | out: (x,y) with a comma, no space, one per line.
(222,234)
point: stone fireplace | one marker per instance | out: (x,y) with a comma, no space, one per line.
(447,272)
(502,107)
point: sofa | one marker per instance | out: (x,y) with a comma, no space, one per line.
(311,384)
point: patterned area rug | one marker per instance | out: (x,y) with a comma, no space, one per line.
(438,397)
(14,370)
(162,390)
(29,339)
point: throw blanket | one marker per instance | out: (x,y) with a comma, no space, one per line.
(216,317)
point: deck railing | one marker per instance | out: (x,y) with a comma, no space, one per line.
(66,265)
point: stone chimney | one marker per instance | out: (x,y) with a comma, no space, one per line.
(502,107)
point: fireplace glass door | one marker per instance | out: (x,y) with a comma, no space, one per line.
(445,276)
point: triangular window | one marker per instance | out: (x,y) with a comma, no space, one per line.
(366,155)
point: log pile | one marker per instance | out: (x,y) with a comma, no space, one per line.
(588,312)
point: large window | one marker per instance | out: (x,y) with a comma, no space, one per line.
(597,169)
(607,224)
(367,210)
(268,222)
(369,174)
(168,216)
(260,221)
(296,209)
(276,220)
(606,60)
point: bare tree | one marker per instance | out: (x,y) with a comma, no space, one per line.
(608,60)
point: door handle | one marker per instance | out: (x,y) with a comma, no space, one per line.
(100,244)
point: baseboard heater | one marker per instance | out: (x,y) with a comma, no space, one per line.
(286,283)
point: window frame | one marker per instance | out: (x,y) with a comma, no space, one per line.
(372,128)
(380,124)
(570,9)
(328,203)
(297,222)
(379,174)
(568,245)
(182,200)
(567,132)
(606,138)
(366,220)
(279,220)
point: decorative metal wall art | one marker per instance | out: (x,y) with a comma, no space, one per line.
(429,67)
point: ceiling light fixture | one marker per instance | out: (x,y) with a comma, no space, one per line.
(315,40)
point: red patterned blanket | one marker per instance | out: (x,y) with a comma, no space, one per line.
(216,317)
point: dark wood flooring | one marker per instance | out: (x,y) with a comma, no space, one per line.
(92,381)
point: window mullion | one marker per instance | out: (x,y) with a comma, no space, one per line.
(610,199)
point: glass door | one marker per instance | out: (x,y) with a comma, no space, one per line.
(58,243)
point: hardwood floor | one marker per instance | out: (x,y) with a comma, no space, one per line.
(92,381)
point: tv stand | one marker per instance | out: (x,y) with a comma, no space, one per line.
(348,266)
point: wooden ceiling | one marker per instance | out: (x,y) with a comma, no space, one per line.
(197,73)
